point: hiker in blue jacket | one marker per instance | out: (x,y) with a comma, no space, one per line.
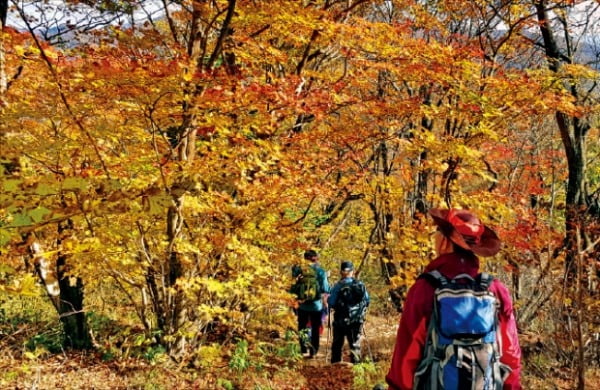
(349,300)
(309,311)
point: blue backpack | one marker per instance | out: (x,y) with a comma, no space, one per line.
(462,350)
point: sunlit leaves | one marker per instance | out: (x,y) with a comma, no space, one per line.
(314,117)
(23,285)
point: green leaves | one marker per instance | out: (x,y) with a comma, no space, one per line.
(75,184)
(5,238)
(27,218)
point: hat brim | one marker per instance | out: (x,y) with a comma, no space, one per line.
(489,243)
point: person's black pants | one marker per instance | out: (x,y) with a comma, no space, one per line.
(315,323)
(352,334)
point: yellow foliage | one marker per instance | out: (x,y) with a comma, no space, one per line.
(23,285)
(308,130)
(209,355)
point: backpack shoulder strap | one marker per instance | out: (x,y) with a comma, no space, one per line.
(435,278)
(359,284)
(356,282)
(485,280)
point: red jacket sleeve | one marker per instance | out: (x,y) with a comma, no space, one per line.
(411,336)
(511,351)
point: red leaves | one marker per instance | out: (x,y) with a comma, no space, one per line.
(205,131)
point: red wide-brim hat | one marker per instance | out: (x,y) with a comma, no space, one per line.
(466,230)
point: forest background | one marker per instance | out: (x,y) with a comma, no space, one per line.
(173,159)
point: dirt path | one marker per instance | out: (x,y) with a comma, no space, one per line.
(320,374)
(377,343)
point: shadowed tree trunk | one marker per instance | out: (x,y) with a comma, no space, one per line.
(70,307)
(579,215)
(573,132)
(382,218)
(64,290)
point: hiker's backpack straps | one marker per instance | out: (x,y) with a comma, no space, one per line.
(462,350)
(427,372)
(435,278)
(485,280)
(500,371)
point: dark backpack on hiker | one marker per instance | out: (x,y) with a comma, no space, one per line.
(351,304)
(307,287)
(463,349)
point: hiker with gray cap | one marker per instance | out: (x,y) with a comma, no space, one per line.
(349,300)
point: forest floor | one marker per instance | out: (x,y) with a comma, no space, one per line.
(377,343)
(71,370)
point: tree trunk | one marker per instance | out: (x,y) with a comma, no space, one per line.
(573,132)
(72,316)
(3,79)
(65,291)
(382,218)
(168,299)
(70,307)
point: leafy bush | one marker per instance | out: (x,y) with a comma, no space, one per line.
(366,374)
(240,360)
(50,341)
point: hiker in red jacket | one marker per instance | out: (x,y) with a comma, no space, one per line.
(460,238)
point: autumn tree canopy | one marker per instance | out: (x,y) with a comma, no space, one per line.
(187,152)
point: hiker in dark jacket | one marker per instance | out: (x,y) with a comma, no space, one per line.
(348,316)
(309,312)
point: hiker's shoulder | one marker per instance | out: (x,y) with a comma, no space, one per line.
(500,290)
(422,290)
(429,279)
(318,269)
(296,270)
(358,283)
(340,286)
(340,283)
(346,282)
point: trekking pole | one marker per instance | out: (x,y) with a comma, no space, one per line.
(327,346)
(367,342)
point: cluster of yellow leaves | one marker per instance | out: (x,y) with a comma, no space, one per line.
(289,129)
